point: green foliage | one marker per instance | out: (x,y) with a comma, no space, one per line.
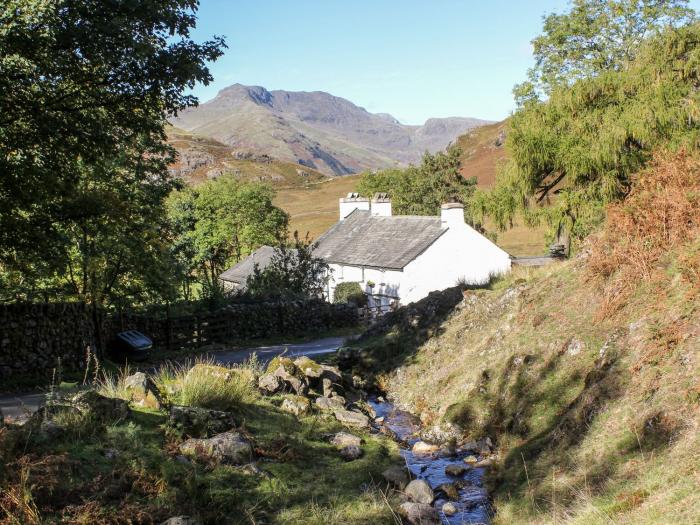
(85,90)
(593,37)
(422,189)
(349,292)
(219,222)
(293,273)
(585,142)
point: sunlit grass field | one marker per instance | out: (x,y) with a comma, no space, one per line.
(314,209)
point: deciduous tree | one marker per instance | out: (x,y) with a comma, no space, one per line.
(86,87)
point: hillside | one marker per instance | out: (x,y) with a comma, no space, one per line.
(482,151)
(201,158)
(310,197)
(584,373)
(316,129)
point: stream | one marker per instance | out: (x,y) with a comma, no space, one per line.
(473,506)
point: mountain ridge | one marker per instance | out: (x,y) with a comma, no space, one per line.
(317,129)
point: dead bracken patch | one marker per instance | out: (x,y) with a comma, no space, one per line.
(659,215)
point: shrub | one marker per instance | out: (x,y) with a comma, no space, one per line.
(349,292)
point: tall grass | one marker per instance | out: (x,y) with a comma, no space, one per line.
(206,384)
(111,384)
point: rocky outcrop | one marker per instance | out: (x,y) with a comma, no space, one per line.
(103,409)
(343,439)
(228,447)
(200,422)
(143,391)
(330,403)
(270,384)
(351,417)
(297,405)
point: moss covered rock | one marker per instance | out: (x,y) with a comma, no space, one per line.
(297,405)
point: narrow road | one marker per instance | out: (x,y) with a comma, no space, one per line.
(17,405)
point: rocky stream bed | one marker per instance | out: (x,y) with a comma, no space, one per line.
(453,473)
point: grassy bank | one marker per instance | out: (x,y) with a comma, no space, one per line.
(585,373)
(80,469)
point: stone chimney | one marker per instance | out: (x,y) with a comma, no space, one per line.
(351,203)
(452,214)
(381,205)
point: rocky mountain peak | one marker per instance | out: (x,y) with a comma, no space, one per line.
(316,129)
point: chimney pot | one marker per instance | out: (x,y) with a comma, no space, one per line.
(353,201)
(381,205)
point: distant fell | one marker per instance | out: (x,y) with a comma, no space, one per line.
(316,129)
(482,152)
(200,159)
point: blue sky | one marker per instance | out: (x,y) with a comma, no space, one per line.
(414,59)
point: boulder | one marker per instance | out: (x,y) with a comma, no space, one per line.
(142,391)
(200,422)
(451,491)
(471,459)
(419,491)
(419,514)
(351,417)
(332,373)
(449,509)
(103,409)
(297,405)
(351,452)
(343,439)
(455,469)
(421,447)
(228,447)
(443,432)
(310,368)
(327,387)
(330,403)
(397,476)
(270,384)
(297,385)
(181,520)
(285,363)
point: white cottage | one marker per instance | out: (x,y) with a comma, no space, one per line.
(400,259)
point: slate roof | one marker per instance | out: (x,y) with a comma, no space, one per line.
(378,242)
(239,273)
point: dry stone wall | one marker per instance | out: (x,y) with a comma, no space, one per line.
(34,338)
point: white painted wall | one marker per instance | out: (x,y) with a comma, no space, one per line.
(461,253)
